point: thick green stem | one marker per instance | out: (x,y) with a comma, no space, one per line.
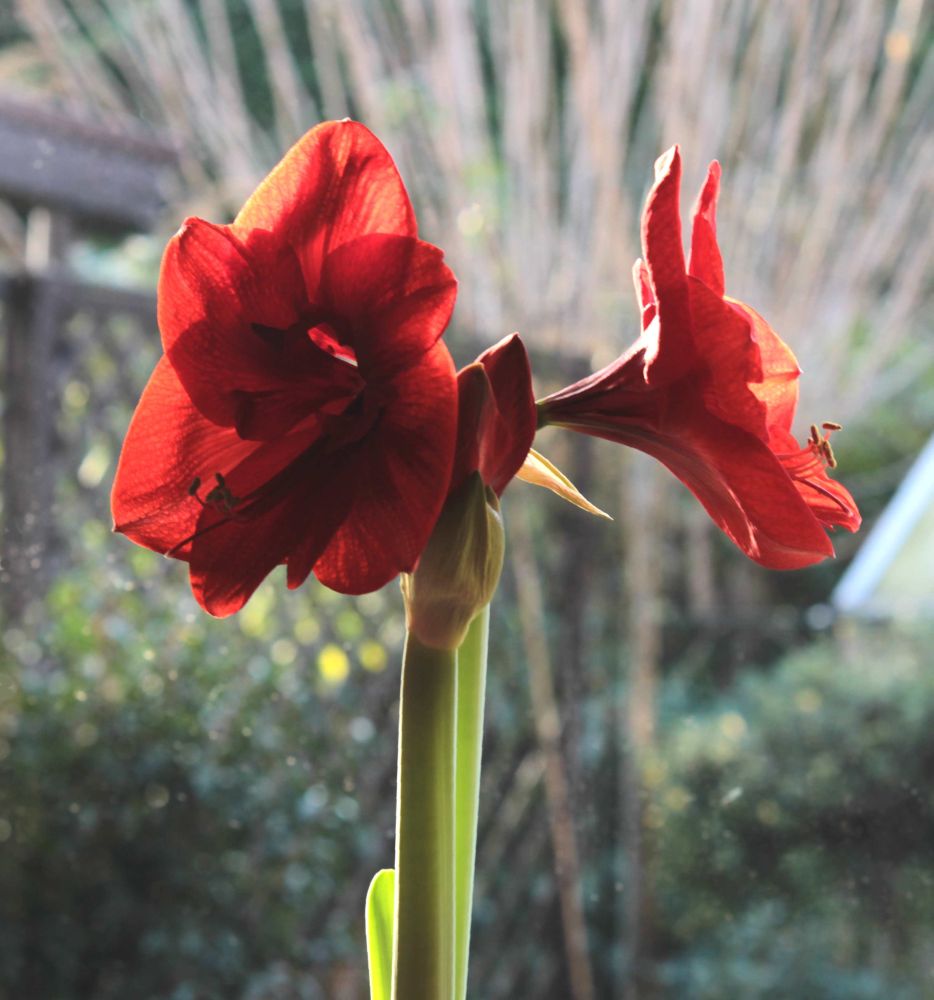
(423,956)
(471,687)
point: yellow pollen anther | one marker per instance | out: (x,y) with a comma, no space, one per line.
(819,442)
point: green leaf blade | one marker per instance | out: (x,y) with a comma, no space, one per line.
(380,931)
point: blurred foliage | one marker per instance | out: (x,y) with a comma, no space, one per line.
(192,809)
(794,826)
(176,821)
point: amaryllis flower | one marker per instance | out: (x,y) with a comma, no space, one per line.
(710,390)
(305,410)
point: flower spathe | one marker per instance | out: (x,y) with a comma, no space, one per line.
(305,409)
(710,390)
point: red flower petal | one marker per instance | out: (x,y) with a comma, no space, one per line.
(230,557)
(706,264)
(168,446)
(400,476)
(778,388)
(664,256)
(829,500)
(228,318)
(740,483)
(744,489)
(644,292)
(335,184)
(394,297)
(724,338)
(475,408)
(507,437)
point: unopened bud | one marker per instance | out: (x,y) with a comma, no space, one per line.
(459,569)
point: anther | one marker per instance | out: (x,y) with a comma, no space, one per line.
(819,442)
(219,496)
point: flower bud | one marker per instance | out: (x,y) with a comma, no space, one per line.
(459,568)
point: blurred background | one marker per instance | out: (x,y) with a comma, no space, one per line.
(702,779)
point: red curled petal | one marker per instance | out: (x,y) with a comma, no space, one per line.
(725,341)
(778,388)
(399,478)
(335,184)
(168,446)
(706,264)
(225,312)
(664,257)
(506,438)
(231,556)
(829,500)
(740,483)
(475,409)
(394,296)
(644,293)
(208,273)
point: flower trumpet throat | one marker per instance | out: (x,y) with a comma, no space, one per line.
(459,569)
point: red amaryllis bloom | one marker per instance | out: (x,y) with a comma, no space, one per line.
(305,409)
(710,390)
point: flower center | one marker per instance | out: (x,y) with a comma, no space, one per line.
(318,326)
(323,335)
(343,420)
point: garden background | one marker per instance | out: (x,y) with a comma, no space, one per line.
(699,781)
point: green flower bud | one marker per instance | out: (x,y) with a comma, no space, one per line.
(459,568)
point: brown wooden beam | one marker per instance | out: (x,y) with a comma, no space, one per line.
(95,173)
(34,312)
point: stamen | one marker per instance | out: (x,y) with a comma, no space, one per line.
(819,442)
(219,496)
(814,456)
